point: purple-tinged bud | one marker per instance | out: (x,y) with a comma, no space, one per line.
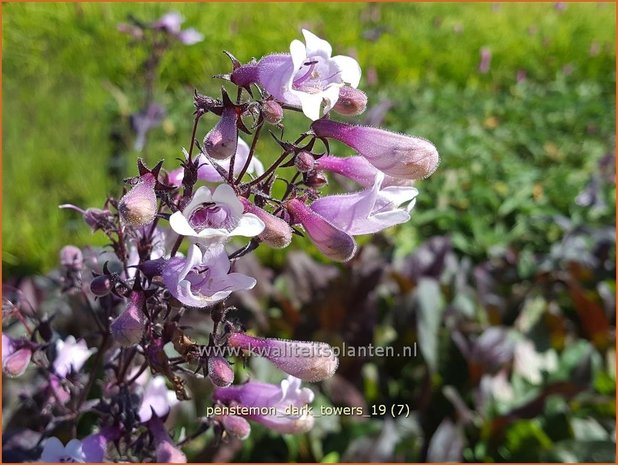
(219,371)
(152,268)
(273,112)
(15,357)
(277,233)
(355,168)
(245,75)
(351,101)
(308,361)
(101,285)
(94,217)
(128,328)
(222,140)
(138,207)
(71,258)
(316,180)
(304,161)
(235,426)
(331,241)
(165,449)
(94,446)
(394,154)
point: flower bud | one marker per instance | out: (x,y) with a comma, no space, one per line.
(273,112)
(277,233)
(351,101)
(15,359)
(304,161)
(331,241)
(152,268)
(101,285)
(71,258)
(219,371)
(128,328)
(235,426)
(221,142)
(316,180)
(138,207)
(394,154)
(355,168)
(308,361)
(245,75)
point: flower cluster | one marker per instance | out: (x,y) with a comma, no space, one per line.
(176,235)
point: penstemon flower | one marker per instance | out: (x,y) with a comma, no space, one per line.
(217,205)
(203,278)
(215,216)
(288,400)
(308,76)
(368,211)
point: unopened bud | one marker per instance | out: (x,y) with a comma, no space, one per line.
(235,426)
(71,258)
(316,180)
(330,240)
(308,361)
(273,112)
(277,233)
(394,154)
(138,207)
(351,101)
(221,141)
(15,360)
(219,371)
(101,285)
(304,161)
(128,328)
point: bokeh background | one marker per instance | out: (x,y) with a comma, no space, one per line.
(505,276)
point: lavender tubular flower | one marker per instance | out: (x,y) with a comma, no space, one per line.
(330,240)
(308,76)
(368,211)
(56,452)
(289,402)
(394,154)
(203,278)
(308,361)
(157,399)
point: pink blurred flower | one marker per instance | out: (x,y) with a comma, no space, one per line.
(70,356)
(157,399)
(485,60)
(15,357)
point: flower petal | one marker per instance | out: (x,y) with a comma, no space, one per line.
(248,226)
(181,225)
(350,69)
(316,46)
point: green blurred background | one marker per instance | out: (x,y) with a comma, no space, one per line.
(515,230)
(510,151)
